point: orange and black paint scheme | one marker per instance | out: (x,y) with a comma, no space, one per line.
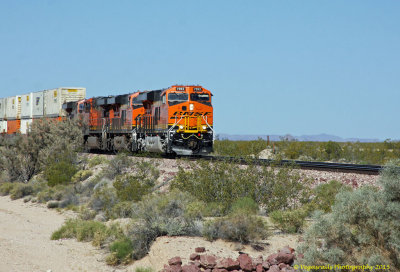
(176,120)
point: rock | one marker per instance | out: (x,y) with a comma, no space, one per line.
(219,270)
(190,268)
(259,268)
(287,250)
(208,261)
(272,258)
(175,261)
(245,262)
(258,260)
(194,256)
(265,265)
(207,270)
(197,263)
(274,268)
(285,258)
(228,263)
(200,249)
(175,268)
(282,265)
(288,269)
(172,268)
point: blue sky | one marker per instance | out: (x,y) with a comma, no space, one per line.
(275,67)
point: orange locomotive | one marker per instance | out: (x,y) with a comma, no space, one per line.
(177,120)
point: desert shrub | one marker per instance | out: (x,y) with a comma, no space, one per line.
(131,188)
(245,204)
(79,229)
(6,187)
(363,227)
(213,209)
(117,165)
(104,199)
(86,214)
(60,169)
(324,195)
(97,160)
(123,209)
(53,204)
(20,190)
(45,195)
(332,150)
(224,183)
(144,269)
(289,221)
(239,226)
(96,232)
(122,249)
(195,209)
(239,148)
(81,175)
(160,215)
(25,155)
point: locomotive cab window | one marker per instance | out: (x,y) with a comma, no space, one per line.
(164,99)
(178,97)
(200,97)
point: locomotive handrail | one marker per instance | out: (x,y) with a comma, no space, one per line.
(205,119)
(174,125)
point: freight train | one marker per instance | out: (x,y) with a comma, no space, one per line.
(177,120)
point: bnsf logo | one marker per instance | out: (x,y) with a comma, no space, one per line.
(187,113)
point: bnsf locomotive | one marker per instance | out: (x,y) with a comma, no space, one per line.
(177,120)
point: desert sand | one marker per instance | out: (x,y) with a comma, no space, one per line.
(25,245)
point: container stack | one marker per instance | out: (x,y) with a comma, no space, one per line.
(18,112)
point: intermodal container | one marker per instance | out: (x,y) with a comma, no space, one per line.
(26,106)
(37,104)
(25,125)
(13,126)
(3,108)
(55,98)
(3,126)
(13,107)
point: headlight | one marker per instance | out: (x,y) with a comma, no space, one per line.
(180,127)
(204,127)
(191,107)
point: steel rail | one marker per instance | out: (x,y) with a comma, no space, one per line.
(314,165)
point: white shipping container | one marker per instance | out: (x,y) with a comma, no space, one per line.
(25,125)
(2,108)
(26,105)
(13,109)
(55,98)
(37,104)
(3,126)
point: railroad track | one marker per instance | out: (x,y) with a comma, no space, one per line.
(311,165)
(323,166)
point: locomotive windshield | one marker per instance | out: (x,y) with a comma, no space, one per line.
(199,97)
(178,97)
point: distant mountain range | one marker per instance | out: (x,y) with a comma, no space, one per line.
(314,138)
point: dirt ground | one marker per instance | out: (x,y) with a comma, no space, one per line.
(25,245)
